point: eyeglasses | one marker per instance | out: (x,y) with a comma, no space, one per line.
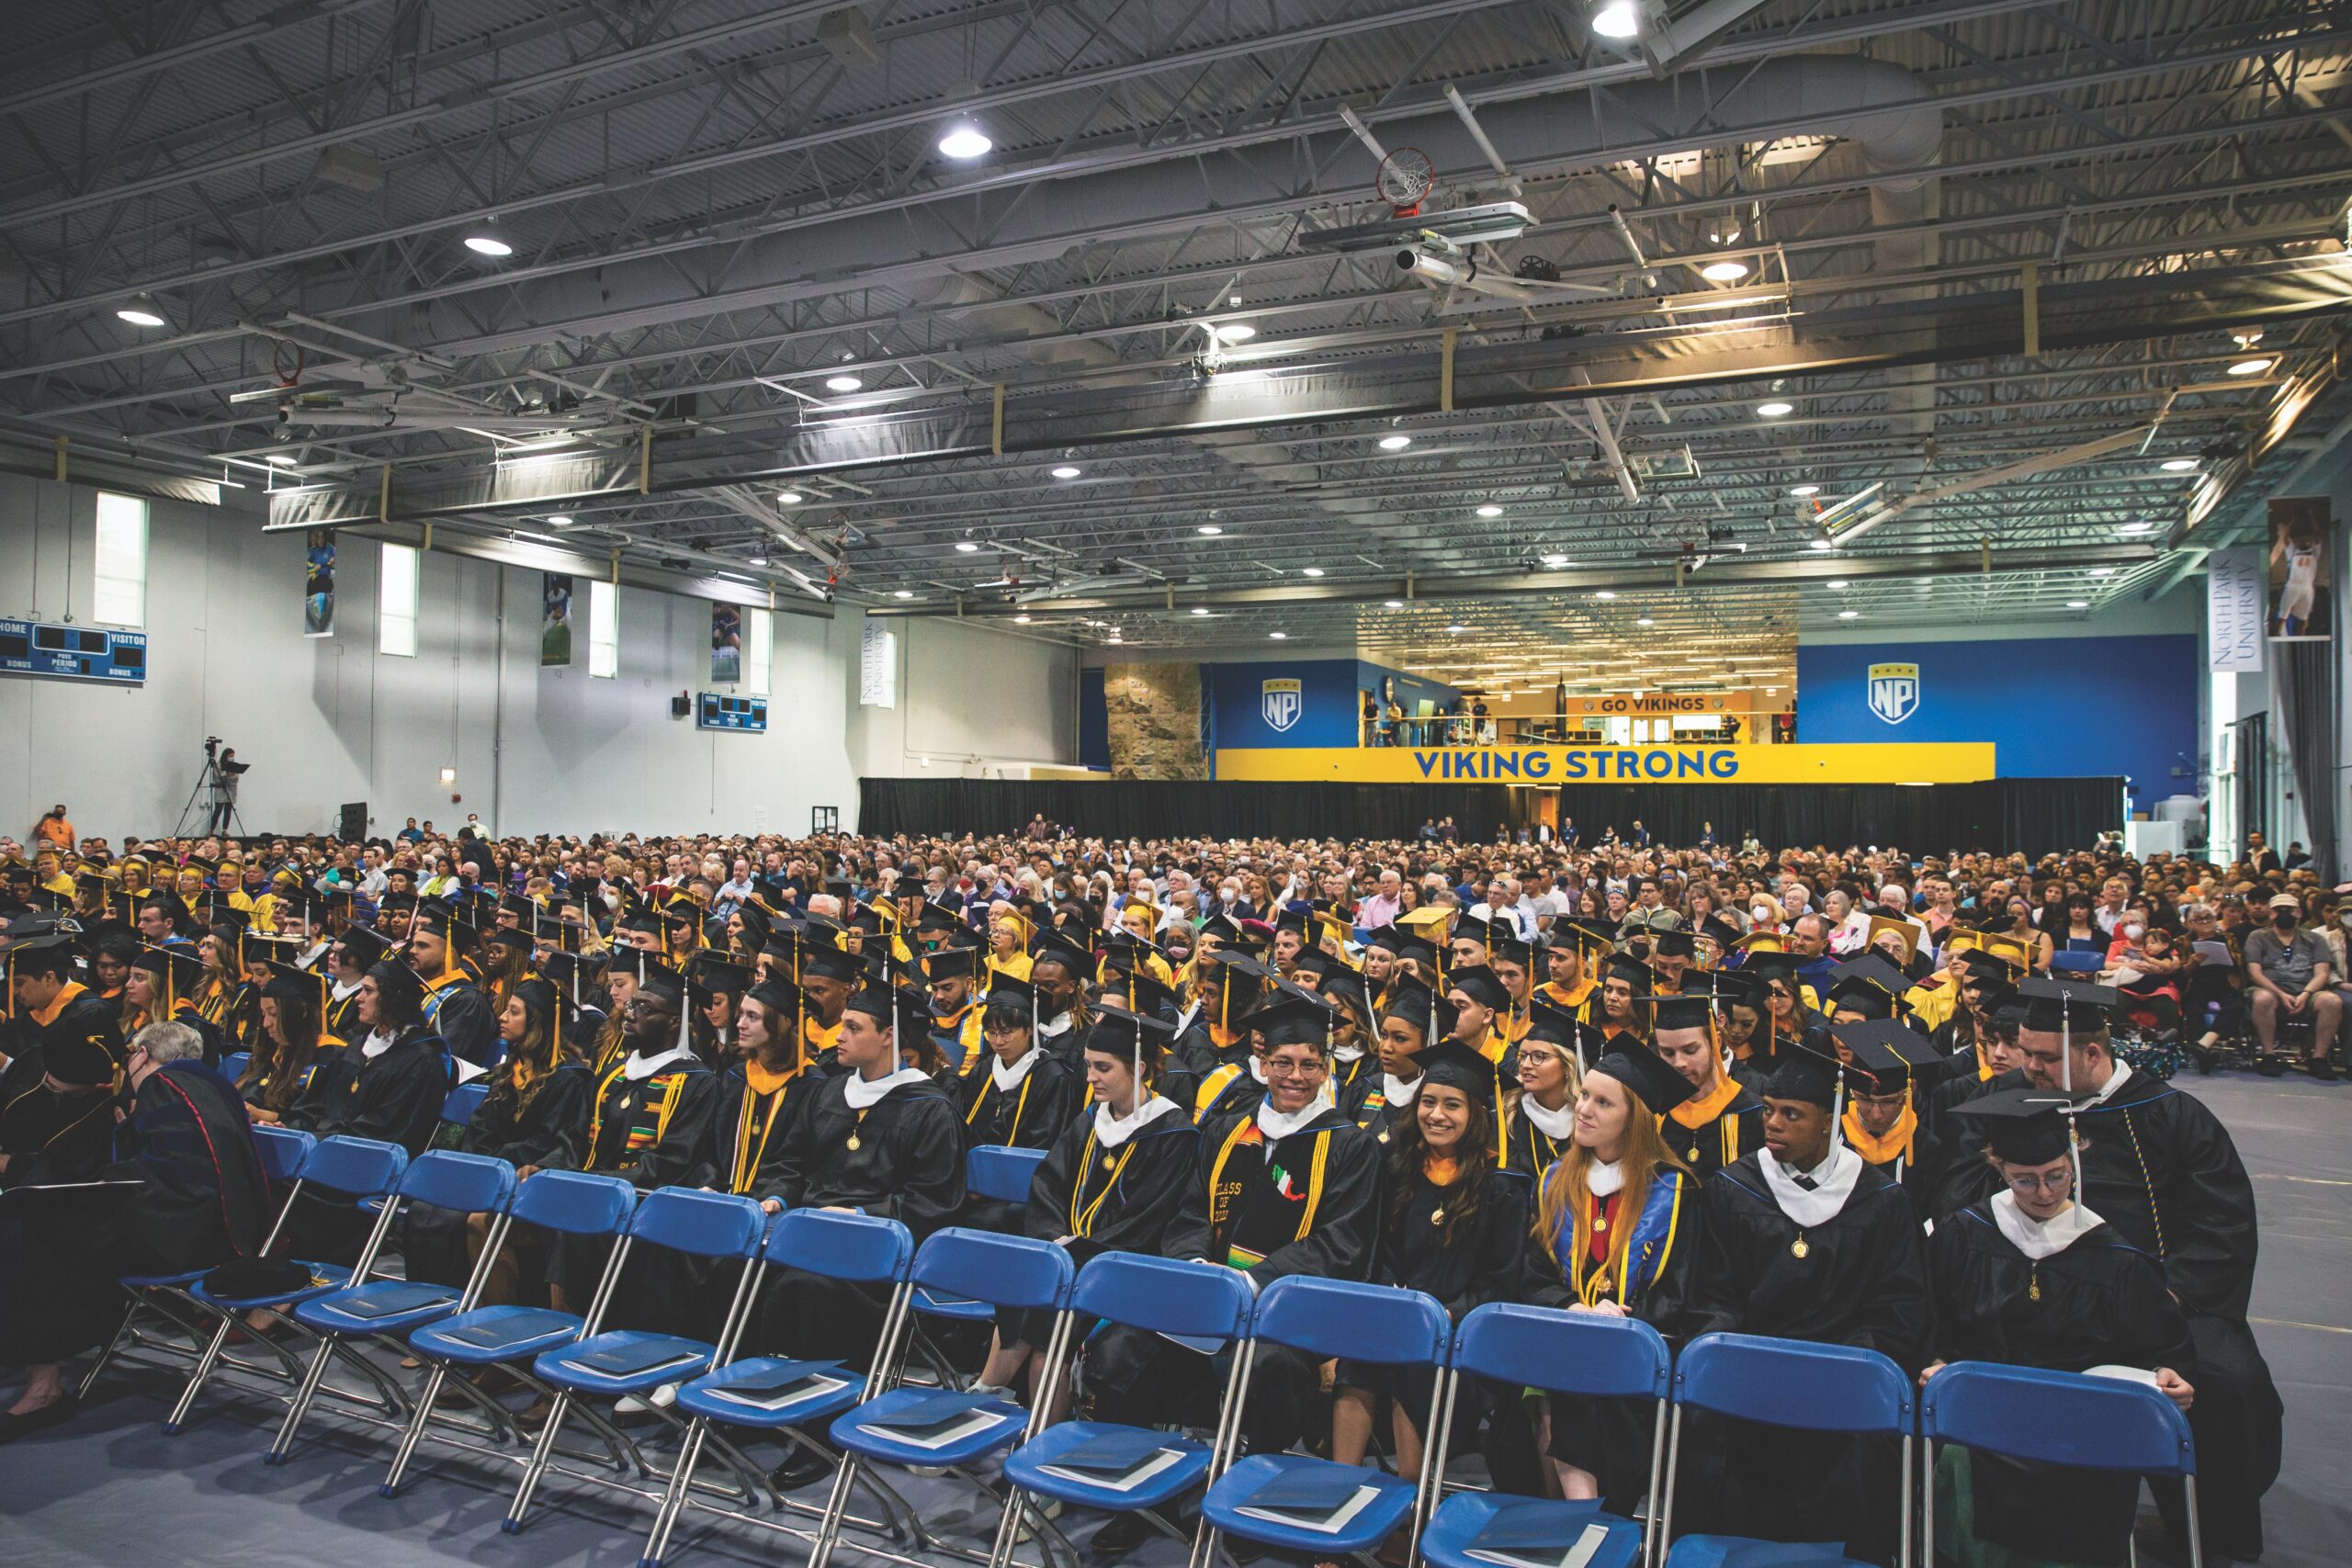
(2031,1181)
(1312,1069)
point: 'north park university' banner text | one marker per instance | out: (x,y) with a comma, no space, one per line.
(1961,762)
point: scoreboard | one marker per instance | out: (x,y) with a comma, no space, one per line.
(749,715)
(73,653)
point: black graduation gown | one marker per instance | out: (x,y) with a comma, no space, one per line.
(1231,1088)
(1526,1148)
(1920,1172)
(1733,1132)
(341,1017)
(1464,1266)
(1860,1281)
(203,1200)
(654,1132)
(1370,1109)
(49,1136)
(2096,1303)
(548,1130)
(1611,1438)
(460,1013)
(902,1157)
(749,1131)
(1031,1117)
(1092,1199)
(1309,1204)
(2161,1169)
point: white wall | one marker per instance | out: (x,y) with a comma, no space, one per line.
(329,720)
(2175,614)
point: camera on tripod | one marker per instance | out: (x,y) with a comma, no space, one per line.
(211,744)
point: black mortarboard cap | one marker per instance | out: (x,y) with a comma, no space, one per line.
(951,963)
(179,966)
(1419,1006)
(711,976)
(1292,1015)
(75,1057)
(1646,1074)
(1141,992)
(393,977)
(1055,944)
(1988,965)
(657,980)
(1547,1023)
(898,1007)
(1868,976)
(1886,1052)
(821,962)
(1632,971)
(1510,947)
(366,945)
(1724,935)
(1590,935)
(1675,943)
(1687,1012)
(287,984)
(1343,987)
(1481,987)
(1452,1063)
(2024,1126)
(1806,1075)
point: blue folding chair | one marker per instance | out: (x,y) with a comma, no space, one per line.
(1785,1383)
(354,1167)
(282,1151)
(1195,1300)
(1529,1347)
(859,1248)
(233,1066)
(1000,1174)
(1001,1271)
(615,1363)
(2057,1418)
(2077,963)
(1331,1317)
(380,1309)
(457,1107)
(567,1202)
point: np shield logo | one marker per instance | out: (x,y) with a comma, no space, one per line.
(1894,692)
(1282,703)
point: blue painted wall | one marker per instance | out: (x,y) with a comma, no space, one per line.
(2054,707)
(1331,692)
(1093,721)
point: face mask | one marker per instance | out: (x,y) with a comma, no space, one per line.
(2134,933)
(2284,919)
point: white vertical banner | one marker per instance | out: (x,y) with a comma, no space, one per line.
(878,662)
(2236,582)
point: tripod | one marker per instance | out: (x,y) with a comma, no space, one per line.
(219,795)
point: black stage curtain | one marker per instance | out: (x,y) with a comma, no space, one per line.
(2035,815)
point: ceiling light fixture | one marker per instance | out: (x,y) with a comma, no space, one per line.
(2130,528)
(1555,562)
(1775,410)
(486,242)
(2102,571)
(1804,490)
(1395,442)
(1020,620)
(1645,621)
(1393,604)
(790,498)
(2250,366)
(756,560)
(1200,609)
(1455,631)
(283,461)
(1836,583)
(964,139)
(966,546)
(1208,530)
(1065,472)
(1490,511)
(555,519)
(1233,332)
(1724,271)
(1822,544)
(140,312)
(904,594)
(2078,604)
(1617,18)
(1605,594)
(843,383)
(2179,465)
(1279,637)
(1850,614)
(1310,572)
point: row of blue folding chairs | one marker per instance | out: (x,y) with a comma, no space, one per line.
(578,1364)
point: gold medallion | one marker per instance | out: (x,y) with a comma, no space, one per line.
(1110,1162)
(1798,1249)
(623,1104)
(1599,1223)
(852,1140)
(1694,1151)
(1437,1215)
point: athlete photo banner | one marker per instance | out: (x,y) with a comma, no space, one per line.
(725,644)
(2301,602)
(555,619)
(318,584)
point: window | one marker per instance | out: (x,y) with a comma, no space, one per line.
(396,603)
(604,630)
(757,647)
(119,596)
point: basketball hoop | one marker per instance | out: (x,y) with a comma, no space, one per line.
(1405,179)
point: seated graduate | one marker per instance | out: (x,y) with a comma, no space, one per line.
(1991,1050)
(355,950)
(1058,976)
(57,1091)
(713,984)
(294,1044)
(827,977)
(1622,1018)
(1480,1004)
(2031,1278)
(1453,1225)
(1113,1181)
(1292,1187)
(1232,982)
(388,1085)
(1802,1240)
(1722,1120)
(1551,1076)
(952,972)
(1882,1121)
(759,1095)
(1415,1019)
(202,1199)
(1516,963)
(534,1117)
(1017,1096)
(2159,1167)
(1569,959)
(1616,1233)
(1352,1030)
(649,1122)
(1789,1022)
(452,1006)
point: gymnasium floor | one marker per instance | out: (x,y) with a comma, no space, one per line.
(111,1488)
